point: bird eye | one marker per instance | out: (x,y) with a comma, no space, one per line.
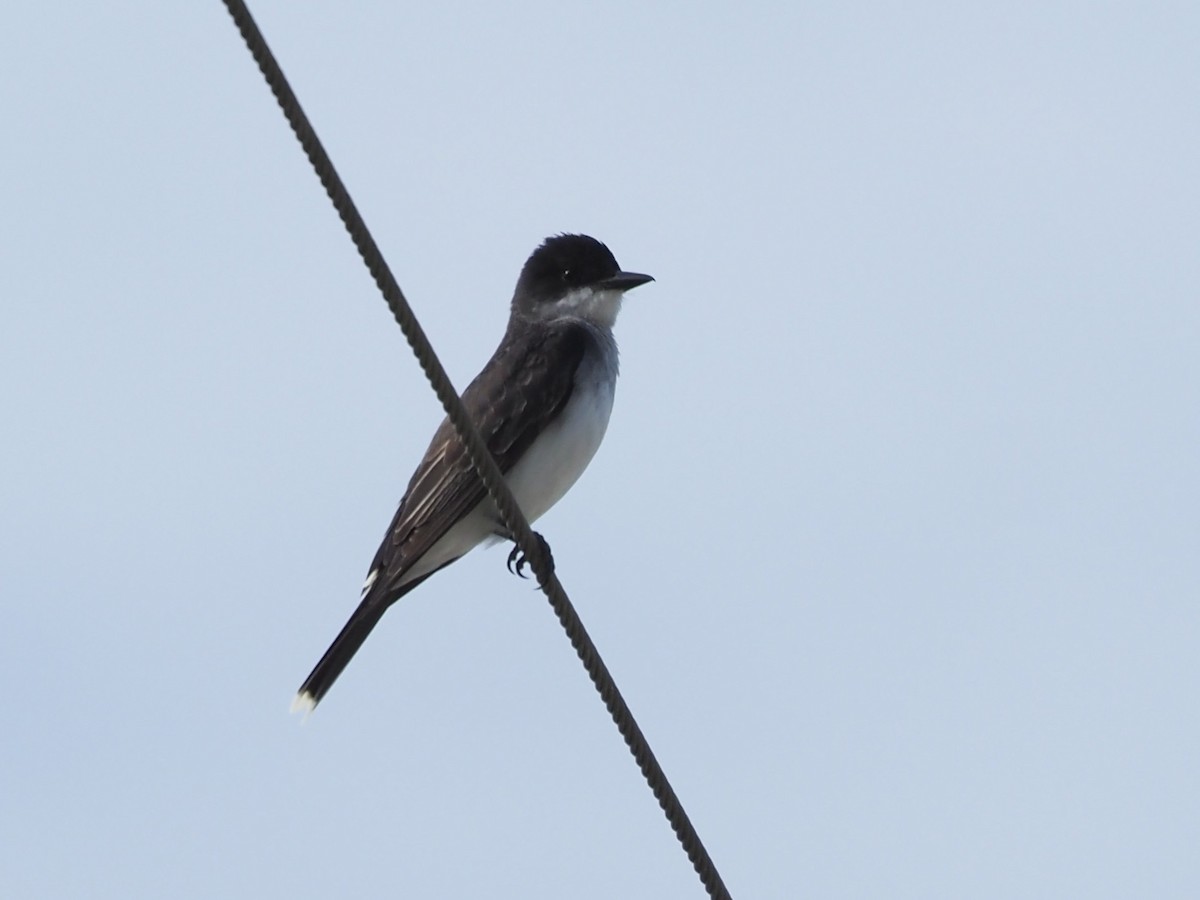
(566,275)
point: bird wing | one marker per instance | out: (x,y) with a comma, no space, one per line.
(509,415)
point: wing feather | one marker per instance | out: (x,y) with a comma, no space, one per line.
(510,416)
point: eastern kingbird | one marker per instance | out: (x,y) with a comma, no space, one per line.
(541,403)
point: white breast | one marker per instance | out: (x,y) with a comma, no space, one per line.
(560,454)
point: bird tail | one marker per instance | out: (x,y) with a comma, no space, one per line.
(344,646)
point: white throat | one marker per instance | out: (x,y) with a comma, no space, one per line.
(600,307)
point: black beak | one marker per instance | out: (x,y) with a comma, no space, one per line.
(624,281)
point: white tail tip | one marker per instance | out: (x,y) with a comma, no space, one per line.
(304,703)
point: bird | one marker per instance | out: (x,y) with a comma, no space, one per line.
(541,404)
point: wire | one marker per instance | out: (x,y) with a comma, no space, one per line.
(537,554)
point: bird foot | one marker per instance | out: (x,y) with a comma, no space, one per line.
(517,558)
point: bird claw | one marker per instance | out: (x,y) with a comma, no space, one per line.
(520,560)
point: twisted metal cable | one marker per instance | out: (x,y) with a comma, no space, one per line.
(510,514)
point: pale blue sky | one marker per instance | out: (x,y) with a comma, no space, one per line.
(892,544)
